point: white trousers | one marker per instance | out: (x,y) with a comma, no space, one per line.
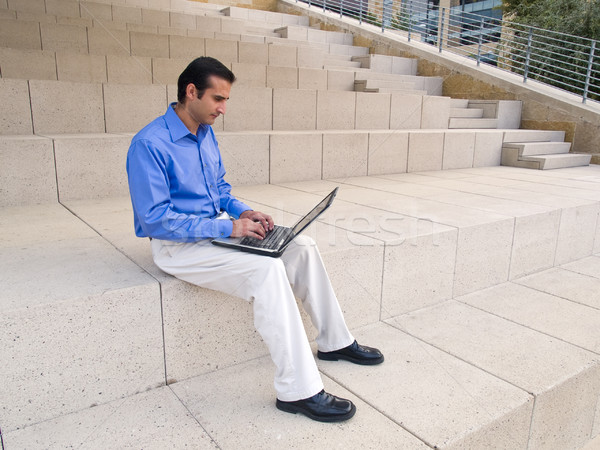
(271,284)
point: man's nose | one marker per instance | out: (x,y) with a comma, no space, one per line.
(222,108)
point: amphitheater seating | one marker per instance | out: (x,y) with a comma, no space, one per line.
(427,233)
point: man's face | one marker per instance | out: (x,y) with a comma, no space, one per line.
(205,110)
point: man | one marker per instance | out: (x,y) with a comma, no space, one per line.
(181,200)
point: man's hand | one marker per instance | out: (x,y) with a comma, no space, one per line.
(252,223)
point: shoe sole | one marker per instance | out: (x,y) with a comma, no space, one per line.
(362,362)
(282,406)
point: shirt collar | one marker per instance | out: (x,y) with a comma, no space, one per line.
(176,127)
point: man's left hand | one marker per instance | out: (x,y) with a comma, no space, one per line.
(264,219)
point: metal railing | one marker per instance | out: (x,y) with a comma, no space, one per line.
(567,62)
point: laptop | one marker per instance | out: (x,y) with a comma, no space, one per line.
(277,240)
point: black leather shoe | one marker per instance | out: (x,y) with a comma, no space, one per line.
(355,353)
(323,407)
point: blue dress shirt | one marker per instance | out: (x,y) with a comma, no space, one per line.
(176,182)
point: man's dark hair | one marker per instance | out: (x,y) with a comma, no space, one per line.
(198,73)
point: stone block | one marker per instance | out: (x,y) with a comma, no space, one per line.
(405,111)
(473,409)
(147,44)
(419,266)
(68,38)
(576,233)
(129,69)
(253,53)
(315,79)
(459,148)
(249,109)
(340,80)
(181,20)
(435,112)
(144,28)
(155,17)
(15,118)
(336,110)
(233,26)
(482,262)
(224,51)
(185,47)
(81,67)
(28,6)
(282,77)
(20,34)
(301,117)
(345,154)
(311,58)
(245,157)
(188,352)
(388,152)
(282,55)
(208,23)
(534,243)
(108,302)
(167,70)
(295,157)
(91,167)
(372,111)
(108,42)
(63,8)
(128,107)
(58,107)
(27,171)
(425,151)
(101,12)
(488,149)
(142,412)
(250,75)
(128,14)
(28,64)
(566,390)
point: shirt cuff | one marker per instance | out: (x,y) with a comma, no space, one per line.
(224,227)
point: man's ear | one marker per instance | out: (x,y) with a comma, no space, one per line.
(191,92)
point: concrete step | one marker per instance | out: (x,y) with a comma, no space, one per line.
(539,148)
(554,161)
(459,103)
(388,64)
(369,85)
(421,221)
(54,107)
(469,123)
(464,113)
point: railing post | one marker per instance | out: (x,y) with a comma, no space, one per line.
(527,55)
(441,33)
(480,41)
(410,9)
(588,74)
(324,5)
(341,8)
(360,12)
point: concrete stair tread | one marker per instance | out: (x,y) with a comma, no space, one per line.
(540,148)
(554,161)
(466,113)
(470,123)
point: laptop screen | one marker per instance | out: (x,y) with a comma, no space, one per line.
(316,211)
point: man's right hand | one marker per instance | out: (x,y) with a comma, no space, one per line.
(247,227)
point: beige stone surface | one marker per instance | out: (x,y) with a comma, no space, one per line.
(185,47)
(459,149)
(249,109)
(336,110)
(27,171)
(59,37)
(130,107)
(81,67)
(564,378)
(246,158)
(345,154)
(372,111)
(15,118)
(295,157)
(20,34)
(26,64)
(282,77)
(468,404)
(405,111)
(388,152)
(303,116)
(224,51)
(425,151)
(149,44)
(57,107)
(103,41)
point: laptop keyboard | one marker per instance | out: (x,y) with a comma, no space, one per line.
(271,240)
